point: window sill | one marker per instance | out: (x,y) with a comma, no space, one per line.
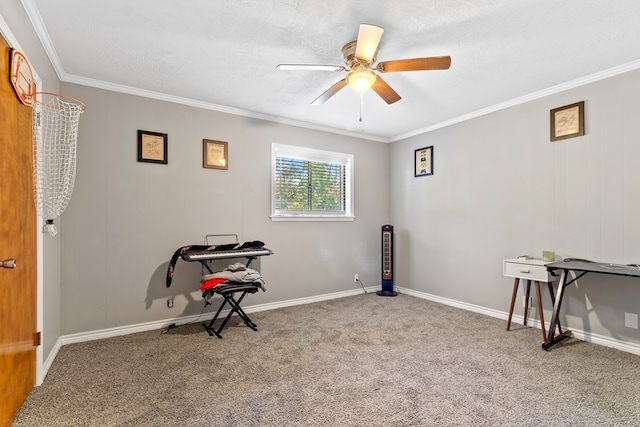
(312,218)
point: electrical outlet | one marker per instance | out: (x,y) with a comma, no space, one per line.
(355,277)
(524,301)
(170,302)
(631,320)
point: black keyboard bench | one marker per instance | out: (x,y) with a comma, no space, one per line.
(227,291)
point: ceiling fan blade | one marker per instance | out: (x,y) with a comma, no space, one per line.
(309,67)
(415,64)
(329,92)
(368,40)
(385,91)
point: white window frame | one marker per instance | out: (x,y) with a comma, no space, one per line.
(314,155)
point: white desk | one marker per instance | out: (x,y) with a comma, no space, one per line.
(529,270)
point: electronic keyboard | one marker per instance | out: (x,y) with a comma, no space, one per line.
(200,255)
(204,253)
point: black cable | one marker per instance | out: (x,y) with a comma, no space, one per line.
(361,285)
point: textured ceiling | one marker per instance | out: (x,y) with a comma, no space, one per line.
(222,54)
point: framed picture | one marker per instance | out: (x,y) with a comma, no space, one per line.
(423,161)
(567,121)
(215,154)
(152,147)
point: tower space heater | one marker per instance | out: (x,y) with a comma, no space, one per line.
(387,262)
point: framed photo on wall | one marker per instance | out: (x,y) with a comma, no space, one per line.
(423,161)
(152,147)
(215,154)
(567,121)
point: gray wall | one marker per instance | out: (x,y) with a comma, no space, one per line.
(501,190)
(126,218)
(20,26)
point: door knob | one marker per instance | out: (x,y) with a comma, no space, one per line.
(9,263)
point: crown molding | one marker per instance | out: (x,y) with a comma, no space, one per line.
(213,107)
(36,20)
(601,75)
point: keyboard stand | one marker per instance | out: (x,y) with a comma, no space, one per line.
(205,263)
(227,291)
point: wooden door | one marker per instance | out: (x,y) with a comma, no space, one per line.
(17,241)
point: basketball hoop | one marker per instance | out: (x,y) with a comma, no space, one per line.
(55,134)
(21,77)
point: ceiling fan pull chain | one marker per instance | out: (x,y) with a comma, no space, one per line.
(361,106)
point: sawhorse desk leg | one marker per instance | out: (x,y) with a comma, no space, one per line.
(553,339)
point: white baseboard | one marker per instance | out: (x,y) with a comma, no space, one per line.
(159,324)
(578,334)
(42,373)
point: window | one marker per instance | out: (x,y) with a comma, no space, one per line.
(311,185)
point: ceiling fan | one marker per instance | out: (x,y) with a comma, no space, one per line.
(359,57)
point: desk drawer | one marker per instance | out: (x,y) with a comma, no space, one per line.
(526,271)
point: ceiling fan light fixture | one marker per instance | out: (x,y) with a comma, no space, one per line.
(361,81)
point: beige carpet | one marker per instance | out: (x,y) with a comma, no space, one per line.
(358,361)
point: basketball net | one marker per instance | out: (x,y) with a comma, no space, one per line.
(55,134)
